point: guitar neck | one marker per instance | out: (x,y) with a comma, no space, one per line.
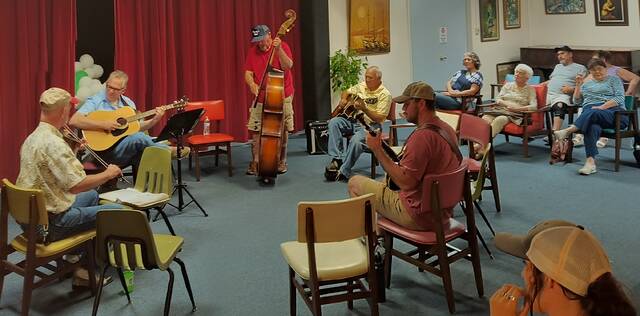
(387,149)
(147,113)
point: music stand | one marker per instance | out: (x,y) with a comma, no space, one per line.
(178,125)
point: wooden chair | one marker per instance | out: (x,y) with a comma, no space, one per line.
(618,133)
(125,241)
(432,249)
(533,123)
(474,129)
(27,207)
(391,138)
(333,252)
(200,144)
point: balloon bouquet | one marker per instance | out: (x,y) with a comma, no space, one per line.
(87,74)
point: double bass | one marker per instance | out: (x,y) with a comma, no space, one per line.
(272,126)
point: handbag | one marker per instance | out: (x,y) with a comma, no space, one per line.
(561,151)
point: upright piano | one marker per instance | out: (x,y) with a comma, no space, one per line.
(543,57)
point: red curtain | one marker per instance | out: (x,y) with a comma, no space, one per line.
(37,51)
(197,48)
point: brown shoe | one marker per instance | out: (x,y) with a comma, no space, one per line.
(253,169)
(81,278)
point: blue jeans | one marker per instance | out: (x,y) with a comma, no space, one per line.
(339,127)
(591,122)
(81,216)
(445,102)
(129,150)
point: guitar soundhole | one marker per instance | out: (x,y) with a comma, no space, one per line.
(122,128)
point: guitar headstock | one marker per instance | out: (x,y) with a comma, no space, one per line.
(179,104)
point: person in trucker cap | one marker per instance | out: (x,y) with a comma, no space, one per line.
(567,272)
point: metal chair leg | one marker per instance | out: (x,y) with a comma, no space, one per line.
(484,217)
(187,283)
(166,220)
(484,244)
(96,300)
(167,301)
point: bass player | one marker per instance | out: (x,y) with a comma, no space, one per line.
(129,150)
(374,100)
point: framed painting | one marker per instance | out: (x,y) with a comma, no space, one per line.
(503,69)
(369,27)
(611,12)
(511,14)
(489,22)
(564,6)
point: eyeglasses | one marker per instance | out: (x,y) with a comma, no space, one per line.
(116,89)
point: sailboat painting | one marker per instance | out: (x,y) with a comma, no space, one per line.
(369,26)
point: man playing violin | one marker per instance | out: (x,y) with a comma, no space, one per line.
(256,62)
(129,150)
(428,150)
(375,102)
(48,163)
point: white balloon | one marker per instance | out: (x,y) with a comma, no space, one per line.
(84,93)
(97,71)
(90,72)
(84,81)
(96,88)
(86,61)
(77,66)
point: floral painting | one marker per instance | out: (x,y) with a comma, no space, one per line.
(489,22)
(564,6)
(511,12)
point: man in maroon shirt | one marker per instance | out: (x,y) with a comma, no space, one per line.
(255,64)
(426,151)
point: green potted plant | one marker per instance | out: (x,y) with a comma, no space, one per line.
(345,69)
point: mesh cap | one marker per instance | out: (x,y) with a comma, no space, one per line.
(517,245)
(570,256)
(53,98)
(259,32)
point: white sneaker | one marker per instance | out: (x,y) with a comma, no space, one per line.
(602,142)
(578,140)
(587,169)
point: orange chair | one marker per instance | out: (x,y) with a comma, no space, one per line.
(200,144)
(433,251)
(533,123)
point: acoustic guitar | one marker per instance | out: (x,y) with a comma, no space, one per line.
(129,124)
(387,149)
(347,110)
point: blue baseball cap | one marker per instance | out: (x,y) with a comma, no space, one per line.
(259,32)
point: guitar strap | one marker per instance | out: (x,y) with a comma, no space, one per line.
(125,102)
(438,130)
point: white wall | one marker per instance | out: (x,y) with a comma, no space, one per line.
(507,48)
(396,66)
(580,29)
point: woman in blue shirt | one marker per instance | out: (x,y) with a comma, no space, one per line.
(464,83)
(601,98)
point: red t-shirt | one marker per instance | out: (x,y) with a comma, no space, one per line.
(426,152)
(257,61)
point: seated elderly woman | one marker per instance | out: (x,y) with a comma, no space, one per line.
(514,98)
(567,272)
(601,98)
(464,83)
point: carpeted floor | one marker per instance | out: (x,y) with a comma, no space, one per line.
(234,261)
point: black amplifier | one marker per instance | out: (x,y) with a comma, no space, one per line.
(317,137)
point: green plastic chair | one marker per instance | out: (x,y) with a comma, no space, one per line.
(124,240)
(477,186)
(618,133)
(154,176)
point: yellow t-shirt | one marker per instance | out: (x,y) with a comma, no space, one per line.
(48,164)
(378,101)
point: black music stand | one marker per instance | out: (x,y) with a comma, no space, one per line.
(178,125)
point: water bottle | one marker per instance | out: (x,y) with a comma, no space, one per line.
(206,126)
(128,280)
